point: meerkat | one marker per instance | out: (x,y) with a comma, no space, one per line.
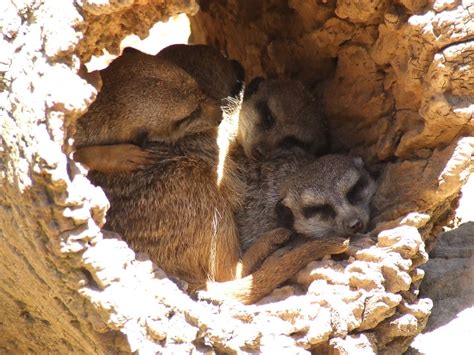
(179,211)
(178,105)
(315,198)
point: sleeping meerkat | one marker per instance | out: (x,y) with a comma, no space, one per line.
(178,105)
(179,210)
(313,198)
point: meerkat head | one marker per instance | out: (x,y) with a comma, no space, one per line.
(330,195)
(280,115)
(147,97)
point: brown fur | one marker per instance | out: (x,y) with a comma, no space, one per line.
(168,104)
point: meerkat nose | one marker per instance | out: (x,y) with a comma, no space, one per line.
(355,225)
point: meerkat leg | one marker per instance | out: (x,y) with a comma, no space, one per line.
(117,158)
(262,248)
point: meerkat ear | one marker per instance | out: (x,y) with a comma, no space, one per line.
(253,87)
(284,215)
(129,50)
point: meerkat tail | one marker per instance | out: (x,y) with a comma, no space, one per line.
(274,272)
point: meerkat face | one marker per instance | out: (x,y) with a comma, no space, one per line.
(280,115)
(328,196)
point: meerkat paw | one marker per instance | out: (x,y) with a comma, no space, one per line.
(134,158)
(117,158)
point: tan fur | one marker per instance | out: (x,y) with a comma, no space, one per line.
(180,209)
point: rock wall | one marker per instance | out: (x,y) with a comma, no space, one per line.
(49,212)
(395,80)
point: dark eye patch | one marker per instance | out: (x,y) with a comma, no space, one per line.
(325,211)
(292,142)
(267,120)
(354,196)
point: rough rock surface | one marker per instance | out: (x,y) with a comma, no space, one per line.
(449,282)
(394,78)
(49,212)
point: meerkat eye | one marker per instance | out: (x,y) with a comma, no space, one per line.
(355,194)
(291,142)
(267,120)
(324,211)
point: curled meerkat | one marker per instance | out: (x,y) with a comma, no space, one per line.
(178,105)
(182,213)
